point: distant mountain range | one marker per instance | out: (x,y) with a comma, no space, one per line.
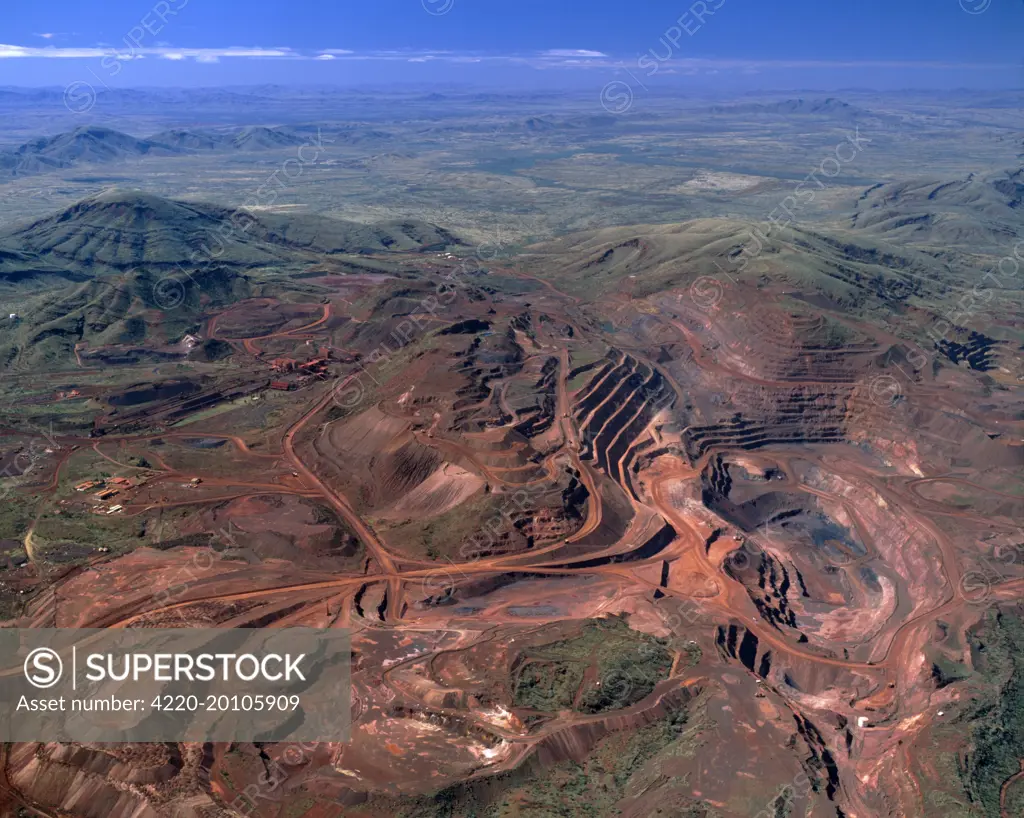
(95,144)
(87,144)
(830,107)
(246,139)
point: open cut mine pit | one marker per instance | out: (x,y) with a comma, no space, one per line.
(528,567)
(664,518)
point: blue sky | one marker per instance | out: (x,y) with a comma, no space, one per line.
(741,43)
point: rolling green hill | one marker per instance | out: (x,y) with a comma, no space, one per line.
(112,267)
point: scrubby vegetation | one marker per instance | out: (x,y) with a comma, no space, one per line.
(996,719)
(607,667)
(620,766)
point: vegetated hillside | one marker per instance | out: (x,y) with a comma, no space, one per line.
(93,273)
(979,212)
(23,271)
(89,143)
(119,229)
(909,290)
(995,722)
(118,308)
(646,259)
(323,235)
(622,774)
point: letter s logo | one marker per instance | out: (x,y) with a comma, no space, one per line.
(43,668)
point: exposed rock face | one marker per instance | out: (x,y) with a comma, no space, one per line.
(133,781)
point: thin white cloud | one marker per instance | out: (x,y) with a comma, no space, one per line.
(201,54)
(742,65)
(643,64)
(566,59)
(573,52)
(11,51)
(214,54)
